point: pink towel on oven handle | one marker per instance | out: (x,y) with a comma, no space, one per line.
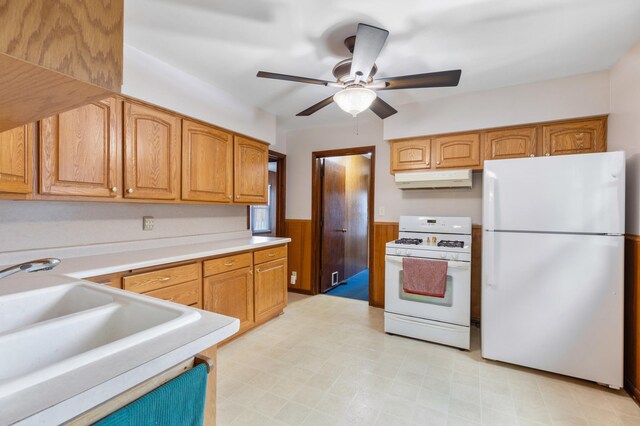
(425,277)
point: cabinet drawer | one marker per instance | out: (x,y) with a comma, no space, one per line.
(156,280)
(225,264)
(272,253)
(188,293)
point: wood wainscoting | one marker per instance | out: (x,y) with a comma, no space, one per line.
(299,230)
(632,315)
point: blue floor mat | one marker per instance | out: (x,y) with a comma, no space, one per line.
(355,287)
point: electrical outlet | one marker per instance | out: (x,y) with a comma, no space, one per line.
(294,277)
(381,211)
(147,223)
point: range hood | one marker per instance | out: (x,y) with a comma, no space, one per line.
(434,179)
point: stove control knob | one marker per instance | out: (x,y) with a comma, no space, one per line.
(407,253)
(443,255)
(398,252)
(454,257)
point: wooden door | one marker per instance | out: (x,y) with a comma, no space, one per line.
(270,289)
(457,151)
(16,157)
(576,137)
(414,154)
(334,222)
(207,163)
(510,143)
(79,151)
(231,293)
(251,171)
(152,153)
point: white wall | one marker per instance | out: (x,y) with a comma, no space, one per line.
(46,224)
(149,79)
(624,128)
(577,96)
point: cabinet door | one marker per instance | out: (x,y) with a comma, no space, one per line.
(207,163)
(575,137)
(270,288)
(414,154)
(79,151)
(16,155)
(152,153)
(510,143)
(457,151)
(231,293)
(251,174)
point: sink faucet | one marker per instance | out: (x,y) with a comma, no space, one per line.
(46,264)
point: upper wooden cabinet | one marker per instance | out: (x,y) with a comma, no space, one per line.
(80,151)
(207,163)
(56,55)
(575,137)
(250,171)
(413,154)
(152,153)
(16,157)
(510,143)
(462,150)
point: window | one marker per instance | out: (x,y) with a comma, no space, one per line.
(261,216)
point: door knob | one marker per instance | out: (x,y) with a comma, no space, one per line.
(342,230)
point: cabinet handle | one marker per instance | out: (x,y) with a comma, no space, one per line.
(237,196)
(229,263)
(130,190)
(258,270)
(114,189)
(546,154)
(532,155)
(427,163)
(164,279)
(271,254)
(229,197)
(169,299)
(437,162)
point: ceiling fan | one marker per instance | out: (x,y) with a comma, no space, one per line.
(355,76)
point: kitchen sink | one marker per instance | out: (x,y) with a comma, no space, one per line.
(49,331)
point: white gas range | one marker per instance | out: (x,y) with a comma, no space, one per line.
(442,320)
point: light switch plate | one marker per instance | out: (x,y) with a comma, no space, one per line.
(147,223)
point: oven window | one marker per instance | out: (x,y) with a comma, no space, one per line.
(447,300)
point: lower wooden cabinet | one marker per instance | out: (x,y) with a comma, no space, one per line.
(231,293)
(16,153)
(270,288)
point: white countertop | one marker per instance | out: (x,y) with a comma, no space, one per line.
(68,395)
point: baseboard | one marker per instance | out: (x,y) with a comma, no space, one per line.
(632,390)
(300,291)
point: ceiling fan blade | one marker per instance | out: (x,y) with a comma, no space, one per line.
(323,103)
(369,43)
(276,76)
(416,81)
(381,108)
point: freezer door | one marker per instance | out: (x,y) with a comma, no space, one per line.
(555,303)
(570,193)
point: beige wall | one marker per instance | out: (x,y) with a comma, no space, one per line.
(36,224)
(624,128)
(556,99)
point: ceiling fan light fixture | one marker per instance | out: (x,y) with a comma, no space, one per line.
(354,100)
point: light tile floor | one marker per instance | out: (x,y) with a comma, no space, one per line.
(327,361)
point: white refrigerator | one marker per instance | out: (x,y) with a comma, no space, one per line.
(552,264)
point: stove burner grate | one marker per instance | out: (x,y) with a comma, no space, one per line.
(413,241)
(451,244)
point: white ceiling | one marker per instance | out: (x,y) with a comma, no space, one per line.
(496,43)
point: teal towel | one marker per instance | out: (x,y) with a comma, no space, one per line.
(179,402)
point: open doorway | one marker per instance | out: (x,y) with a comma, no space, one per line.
(343,182)
(268,220)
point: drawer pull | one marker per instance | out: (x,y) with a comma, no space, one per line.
(271,254)
(229,263)
(258,270)
(164,279)
(169,299)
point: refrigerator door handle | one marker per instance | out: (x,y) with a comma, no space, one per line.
(490,219)
(490,256)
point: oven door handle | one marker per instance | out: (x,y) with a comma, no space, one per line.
(451,264)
